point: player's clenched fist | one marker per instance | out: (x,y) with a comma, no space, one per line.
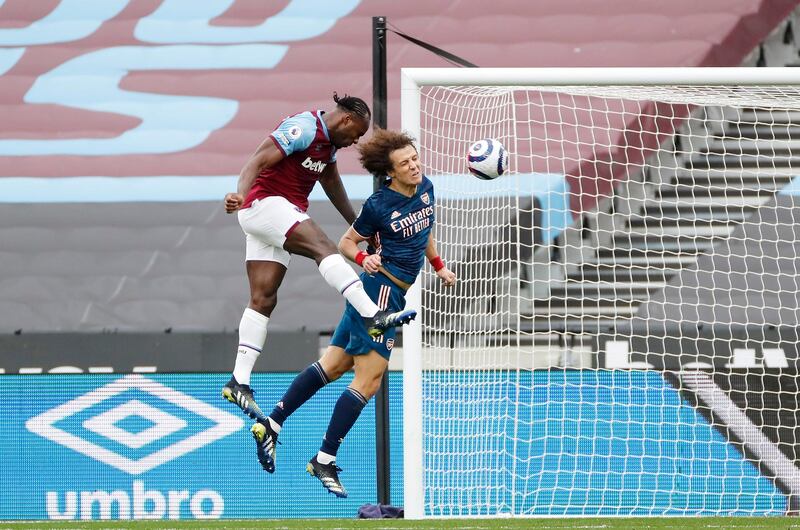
(447,276)
(371,263)
(233,201)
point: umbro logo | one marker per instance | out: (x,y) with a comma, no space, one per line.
(98,423)
(396,214)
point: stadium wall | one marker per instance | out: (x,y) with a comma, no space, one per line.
(162,446)
(69,353)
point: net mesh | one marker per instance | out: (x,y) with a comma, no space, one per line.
(622,339)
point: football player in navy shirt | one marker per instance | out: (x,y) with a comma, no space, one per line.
(400,218)
(271,202)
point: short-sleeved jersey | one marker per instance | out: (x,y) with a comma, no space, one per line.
(403,225)
(305,141)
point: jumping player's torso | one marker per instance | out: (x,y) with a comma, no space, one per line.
(305,141)
(403,224)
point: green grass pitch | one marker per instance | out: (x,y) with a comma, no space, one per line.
(673,523)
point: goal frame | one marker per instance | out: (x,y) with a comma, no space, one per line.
(412,80)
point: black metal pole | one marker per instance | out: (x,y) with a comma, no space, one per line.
(382,397)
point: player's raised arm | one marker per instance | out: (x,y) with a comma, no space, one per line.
(267,155)
(447,276)
(331,182)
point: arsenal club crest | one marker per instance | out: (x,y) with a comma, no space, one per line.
(425,198)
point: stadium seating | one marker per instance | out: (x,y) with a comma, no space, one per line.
(140,265)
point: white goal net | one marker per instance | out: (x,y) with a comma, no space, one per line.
(623,337)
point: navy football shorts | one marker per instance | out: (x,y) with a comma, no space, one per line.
(351,333)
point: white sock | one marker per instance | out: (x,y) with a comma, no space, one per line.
(274,425)
(325,458)
(344,279)
(252,334)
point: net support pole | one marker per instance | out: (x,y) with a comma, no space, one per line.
(413,479)
(379,119)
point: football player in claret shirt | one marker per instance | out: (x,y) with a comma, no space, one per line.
(400,216)
(271,201)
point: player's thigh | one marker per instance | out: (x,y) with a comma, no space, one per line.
(309,240)
(371,364)
(270,221)
(335,362)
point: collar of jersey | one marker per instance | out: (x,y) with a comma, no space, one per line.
(416,191)
(324,127)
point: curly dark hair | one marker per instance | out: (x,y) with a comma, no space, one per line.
(374,153)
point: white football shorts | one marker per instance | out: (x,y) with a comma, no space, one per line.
(266,223)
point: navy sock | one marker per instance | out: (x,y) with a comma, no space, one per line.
(345,413)
(305,385)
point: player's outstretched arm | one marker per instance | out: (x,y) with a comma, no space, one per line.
(348,246)
(331,182)
(447,276)
(267,155)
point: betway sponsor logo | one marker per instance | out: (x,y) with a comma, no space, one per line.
(412,218)
(140,503)
(317,166)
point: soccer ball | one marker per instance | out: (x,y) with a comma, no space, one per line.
(487,159)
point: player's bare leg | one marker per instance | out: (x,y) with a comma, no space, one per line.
(308,240)
(369,371)
(265,278)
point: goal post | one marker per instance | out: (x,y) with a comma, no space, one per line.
(622,340)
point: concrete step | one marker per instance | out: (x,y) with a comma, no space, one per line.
(751,201)
(782,131)
(623,308)
(732,179)
(689,231)
(746,161)
(765,147)
(592,299)
(763,117)
(617,275)
(663,243)
(652,248)
(664,260)
(699,213)
(671,191)
(772,170)
(646,223)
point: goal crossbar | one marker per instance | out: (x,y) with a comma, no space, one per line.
(416,77)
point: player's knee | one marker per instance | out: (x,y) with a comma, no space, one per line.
(334,372)
(370,385)
(264,303)
(324,248)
